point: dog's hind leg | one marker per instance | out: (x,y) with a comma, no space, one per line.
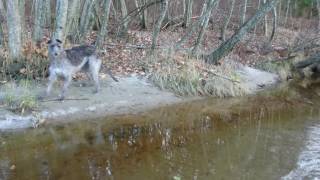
(94,68)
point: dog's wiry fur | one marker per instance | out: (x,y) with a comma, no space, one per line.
(65,63)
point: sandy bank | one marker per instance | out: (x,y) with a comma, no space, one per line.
(130,95)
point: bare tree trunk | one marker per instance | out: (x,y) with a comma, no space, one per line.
(280,9)
(14,29)
(295,9)
(61,19)
(244,12)
(265,22)
(86,16)
(167,18)
(39,20)
(142,15)
(124,13)
(2,11)
(145,16)
(104,25)
(274,23)
(48,13)
(2,22)
(226,21)
(318,7)
(188,13)
(157,27)
(204,8)
(184,6)
(73,17)
(22,4)
(287,12)
(210,5)
(255,27)
(191,30)
(228,45)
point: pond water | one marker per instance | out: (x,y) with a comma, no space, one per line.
(261,137)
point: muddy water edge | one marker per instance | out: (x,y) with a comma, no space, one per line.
(258,137)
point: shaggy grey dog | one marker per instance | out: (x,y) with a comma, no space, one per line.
(66,62)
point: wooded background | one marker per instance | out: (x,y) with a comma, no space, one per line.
(26,22)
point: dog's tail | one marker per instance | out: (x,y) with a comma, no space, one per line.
(110,73)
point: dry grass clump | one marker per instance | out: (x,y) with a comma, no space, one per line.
(32,65)
(191,77)
(18,97)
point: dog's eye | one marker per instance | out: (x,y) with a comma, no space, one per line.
(59,46)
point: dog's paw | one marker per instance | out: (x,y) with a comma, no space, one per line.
(41,96)
(61,98)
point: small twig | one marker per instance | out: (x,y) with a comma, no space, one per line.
(221,76)
(128,46)
(66,99)
(134,46)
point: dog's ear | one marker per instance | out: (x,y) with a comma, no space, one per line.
(59,41)
(49,42)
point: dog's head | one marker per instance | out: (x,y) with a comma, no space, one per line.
(55,47)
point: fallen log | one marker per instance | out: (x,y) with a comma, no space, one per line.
(313,60)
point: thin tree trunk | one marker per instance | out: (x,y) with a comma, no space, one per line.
(184,7)
(22,4)
(104,25)
(166,21)
(157,27)
(2,22)
(255,27)
(280,9)
(210,5)
(14,29)
(145,16)
(48,13)
(2,10)
(86,17)
(124,13)
(39,20)
(295,9)
(265,22)
(1,35)
(274,23)
(188,13)
(318,7)
(228,45)
(287,12)
(244,12)
(138,6)
(191,30)
(61,19)
(73,17)
(226,21)
(204,8)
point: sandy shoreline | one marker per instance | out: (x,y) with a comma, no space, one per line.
(128,96)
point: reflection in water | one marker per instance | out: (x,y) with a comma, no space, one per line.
(308,165)
(4,168)
(200,140)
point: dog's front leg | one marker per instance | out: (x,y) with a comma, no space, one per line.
(52,79)
(66,83)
